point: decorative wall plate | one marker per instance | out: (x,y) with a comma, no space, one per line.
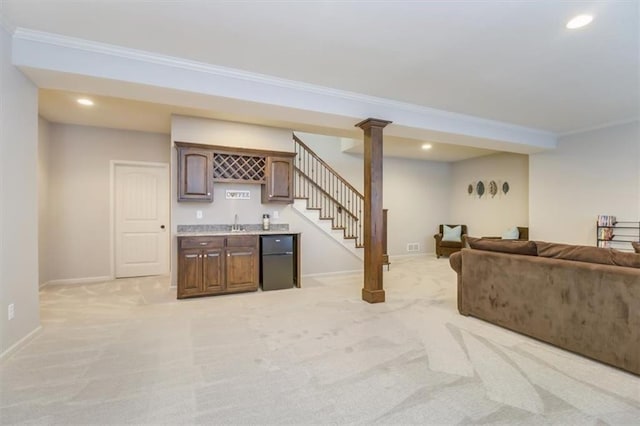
(470,189)
(505,187)
(480,189)
(493,188)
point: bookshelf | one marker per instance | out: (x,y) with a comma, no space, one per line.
(617,234)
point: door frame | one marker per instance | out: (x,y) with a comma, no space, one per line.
(112,207)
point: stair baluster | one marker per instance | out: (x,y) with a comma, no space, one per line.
(327,191)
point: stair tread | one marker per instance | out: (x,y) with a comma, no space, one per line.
(329,207)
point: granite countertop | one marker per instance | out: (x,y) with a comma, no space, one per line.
(225,230)
(227,233)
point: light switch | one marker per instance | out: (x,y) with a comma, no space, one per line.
(198,214)
(276,214)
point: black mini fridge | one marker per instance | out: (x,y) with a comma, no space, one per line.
(277,262)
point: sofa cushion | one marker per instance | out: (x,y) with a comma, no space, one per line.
(604,256)
(527,248)
(511,234)
(451,233)
(636,247)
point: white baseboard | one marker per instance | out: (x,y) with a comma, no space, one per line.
(85,280)
(329,274)
(406,256)
(20,343)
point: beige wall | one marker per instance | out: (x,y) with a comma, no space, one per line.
(18,200)
(590,173)
(223,133)
(487,215)
(415,192)
(79,195)
(44,132)
(227,133)
(333,258)
(417,196)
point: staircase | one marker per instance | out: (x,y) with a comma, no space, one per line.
(338,206)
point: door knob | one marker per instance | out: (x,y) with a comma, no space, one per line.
(161,226)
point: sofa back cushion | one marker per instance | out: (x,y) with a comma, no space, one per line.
(604,256)
(527,248)
(630,260)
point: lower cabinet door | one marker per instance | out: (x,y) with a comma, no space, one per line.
(242,269)
(213,271)
(189,273)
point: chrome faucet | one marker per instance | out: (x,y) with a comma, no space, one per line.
(235,226)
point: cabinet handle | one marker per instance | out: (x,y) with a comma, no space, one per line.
(203,244)
(205,256)
(190,256)
(200,256)
(208,193)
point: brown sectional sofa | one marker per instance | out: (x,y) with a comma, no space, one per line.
(574,297)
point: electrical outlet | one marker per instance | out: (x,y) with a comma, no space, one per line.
(198,214)
(11,311)
(276,214)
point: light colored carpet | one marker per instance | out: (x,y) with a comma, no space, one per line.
(127,352)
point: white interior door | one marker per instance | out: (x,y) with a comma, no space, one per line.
(141,219)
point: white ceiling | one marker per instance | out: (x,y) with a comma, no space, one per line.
(513,62)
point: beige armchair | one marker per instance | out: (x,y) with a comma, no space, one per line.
(446,248)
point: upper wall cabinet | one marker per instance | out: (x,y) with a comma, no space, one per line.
(279,180)
(195,174)
(199,166)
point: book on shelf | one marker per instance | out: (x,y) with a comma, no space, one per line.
(606,220)
(605,234)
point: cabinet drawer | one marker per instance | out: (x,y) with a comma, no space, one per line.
(201,242)
(242,241)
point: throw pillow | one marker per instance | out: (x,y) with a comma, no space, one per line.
(511,234)
(451,233)
(527,248)
(636,247)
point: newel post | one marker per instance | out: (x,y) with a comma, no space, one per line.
(373,292)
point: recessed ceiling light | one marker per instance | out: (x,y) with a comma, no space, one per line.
(85,101)
(426,146)
(579,21)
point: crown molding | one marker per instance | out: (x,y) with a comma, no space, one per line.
(226,72)
(600,126)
